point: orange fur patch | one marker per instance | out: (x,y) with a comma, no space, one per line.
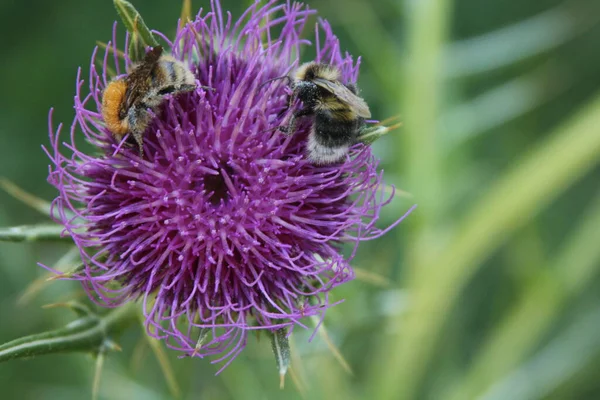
(112,99)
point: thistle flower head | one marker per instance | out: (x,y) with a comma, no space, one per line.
(223,226)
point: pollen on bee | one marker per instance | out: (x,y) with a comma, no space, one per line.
(112,99)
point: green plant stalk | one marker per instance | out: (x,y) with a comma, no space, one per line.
(531,317)
(86,334)
(510,202)
(421,92)
(31,233)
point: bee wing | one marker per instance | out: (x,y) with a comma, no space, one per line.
(344,94)
(137,80)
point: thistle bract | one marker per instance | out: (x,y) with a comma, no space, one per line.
(223,226)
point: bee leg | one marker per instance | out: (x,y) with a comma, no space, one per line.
(290,128)
(291,99)
(139,139)
(138,119)
(175,89)
(186,88)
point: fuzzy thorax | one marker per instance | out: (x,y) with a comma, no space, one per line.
(311,70)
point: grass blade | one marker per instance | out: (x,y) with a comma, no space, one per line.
(525,325)
(511,201)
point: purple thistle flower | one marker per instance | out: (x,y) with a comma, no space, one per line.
(223,226)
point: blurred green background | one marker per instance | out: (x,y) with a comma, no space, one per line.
(488,291)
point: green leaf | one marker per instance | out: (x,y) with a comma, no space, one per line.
(141,36)
(137,49)
(134,22)
(30,233)
(281,350)
(88,334)
(186,13)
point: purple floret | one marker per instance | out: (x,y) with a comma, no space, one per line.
(223,226)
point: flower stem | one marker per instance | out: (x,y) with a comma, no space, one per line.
(31,233)
(89,333)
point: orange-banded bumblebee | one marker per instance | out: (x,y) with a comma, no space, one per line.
(126,102)
(337,110)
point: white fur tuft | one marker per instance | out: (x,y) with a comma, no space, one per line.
(322,155)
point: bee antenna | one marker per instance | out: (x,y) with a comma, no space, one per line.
(275,79)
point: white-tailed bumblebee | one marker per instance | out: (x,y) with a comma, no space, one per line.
(126,102)
(338,112)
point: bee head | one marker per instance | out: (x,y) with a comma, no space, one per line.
(306,91)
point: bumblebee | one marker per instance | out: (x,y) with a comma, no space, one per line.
(126,102)
(338,112)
